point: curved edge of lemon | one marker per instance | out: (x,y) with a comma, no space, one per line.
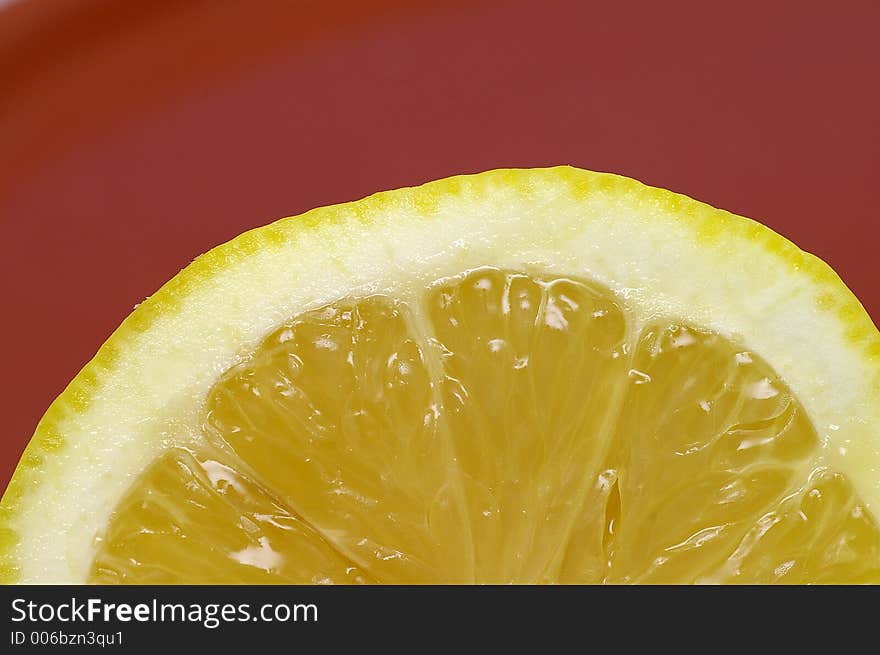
(708,223)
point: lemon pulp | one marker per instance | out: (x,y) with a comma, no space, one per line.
(504,427)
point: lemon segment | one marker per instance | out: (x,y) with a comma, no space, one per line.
(533,375)
(195,520)
(335,414)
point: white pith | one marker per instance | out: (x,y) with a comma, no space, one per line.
(656,262)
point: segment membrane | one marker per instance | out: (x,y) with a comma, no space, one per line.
(505,428)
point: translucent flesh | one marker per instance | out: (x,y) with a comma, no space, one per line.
(504,428)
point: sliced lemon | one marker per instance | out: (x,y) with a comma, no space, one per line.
(527,376)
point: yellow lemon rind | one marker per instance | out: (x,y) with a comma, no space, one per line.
(855,340)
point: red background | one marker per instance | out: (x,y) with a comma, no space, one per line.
(136,135)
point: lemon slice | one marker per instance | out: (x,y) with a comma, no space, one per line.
(522,376)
